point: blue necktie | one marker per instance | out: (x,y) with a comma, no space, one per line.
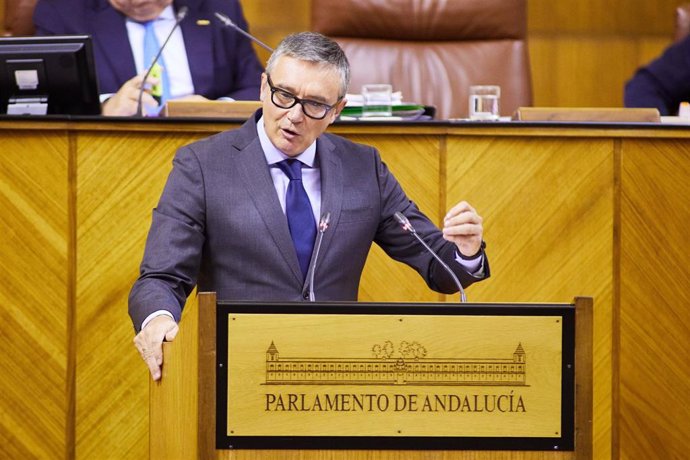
(151,48)
(299,213)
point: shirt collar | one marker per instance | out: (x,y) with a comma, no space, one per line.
(167,14)
(273,155)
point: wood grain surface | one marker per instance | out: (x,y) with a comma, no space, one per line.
(568,211)
(34,298)
(654,315)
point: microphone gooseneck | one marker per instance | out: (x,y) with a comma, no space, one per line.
(229,22)
(407,226)
(323,226)
(178,19)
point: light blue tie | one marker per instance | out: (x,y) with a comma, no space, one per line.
(299,213)
(151,48)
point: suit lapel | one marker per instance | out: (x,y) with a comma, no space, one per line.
(257,179)
(198,41)
(111,28)
(331,189)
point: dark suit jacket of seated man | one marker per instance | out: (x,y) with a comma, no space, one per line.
(664,83)
(220,223)
(221,60)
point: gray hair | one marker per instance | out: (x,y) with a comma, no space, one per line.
(317,48)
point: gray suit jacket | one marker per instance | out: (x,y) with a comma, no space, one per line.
(219,225)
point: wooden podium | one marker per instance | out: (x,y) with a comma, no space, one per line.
(262,381)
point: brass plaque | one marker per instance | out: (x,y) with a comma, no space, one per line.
(393,375)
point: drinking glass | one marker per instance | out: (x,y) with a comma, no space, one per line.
(484,102)
(377,100)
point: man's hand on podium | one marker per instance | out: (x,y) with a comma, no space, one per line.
(149,342)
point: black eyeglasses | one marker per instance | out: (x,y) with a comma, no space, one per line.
(287,100)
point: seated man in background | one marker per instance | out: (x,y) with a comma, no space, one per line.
(664,83)
(203,58)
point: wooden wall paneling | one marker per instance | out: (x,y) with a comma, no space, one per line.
(542,55)
(547,206)
(121,176)
(35,297)
(415,162)
(580,72)
(602,16)
(641,16)
(650,48)
(573,45)
(271,21)
(655,295)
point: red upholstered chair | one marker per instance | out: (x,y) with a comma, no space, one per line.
(18,17)
(433,51)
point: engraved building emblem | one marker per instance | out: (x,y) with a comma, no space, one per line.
(409,366)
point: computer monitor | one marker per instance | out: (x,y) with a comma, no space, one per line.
(48,75)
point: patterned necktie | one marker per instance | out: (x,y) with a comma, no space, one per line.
(151,48)
(299,213)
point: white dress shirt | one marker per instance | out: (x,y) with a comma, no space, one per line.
(311,176)
(174,54)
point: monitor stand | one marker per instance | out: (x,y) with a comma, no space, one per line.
(28,106)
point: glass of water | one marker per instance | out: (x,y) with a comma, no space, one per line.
(378,100)
(484,102)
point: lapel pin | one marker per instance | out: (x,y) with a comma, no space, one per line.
(202,22)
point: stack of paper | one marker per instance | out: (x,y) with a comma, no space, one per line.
(401,110)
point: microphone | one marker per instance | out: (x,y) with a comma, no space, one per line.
(323,226)
(407,226)
(228,22)
(178,19)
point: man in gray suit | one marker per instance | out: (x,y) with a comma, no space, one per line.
(221,221)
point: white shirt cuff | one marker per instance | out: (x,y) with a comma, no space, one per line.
(156,314)
(474,267)
(105,97)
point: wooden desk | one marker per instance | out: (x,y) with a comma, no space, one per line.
(75,205)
